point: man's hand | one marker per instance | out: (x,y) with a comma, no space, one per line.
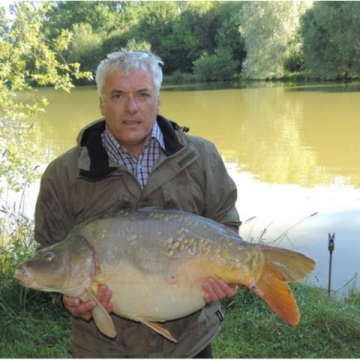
(83,309)
(216,290)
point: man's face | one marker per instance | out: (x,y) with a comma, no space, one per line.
(130,106)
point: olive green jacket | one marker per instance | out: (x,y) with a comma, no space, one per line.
(82,183)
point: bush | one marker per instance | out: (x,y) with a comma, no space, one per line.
(179,77)
(217,67)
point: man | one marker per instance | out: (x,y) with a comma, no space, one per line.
(135,158)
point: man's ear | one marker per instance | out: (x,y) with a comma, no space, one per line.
(101,105)
(158,105)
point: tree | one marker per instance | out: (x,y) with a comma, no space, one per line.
(156,24)
(228,34)
(201,29)
(331,42)
(178,31)
(95,25)
(85,47)
(270,30)
(101,15)
(27,60)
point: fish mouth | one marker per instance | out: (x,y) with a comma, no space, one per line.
(23,276)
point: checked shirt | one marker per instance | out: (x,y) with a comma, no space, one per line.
(139,167)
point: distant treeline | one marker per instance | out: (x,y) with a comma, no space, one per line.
(216,40)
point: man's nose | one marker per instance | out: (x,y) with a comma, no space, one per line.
(131,105)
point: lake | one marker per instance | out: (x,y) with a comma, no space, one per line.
(293,151)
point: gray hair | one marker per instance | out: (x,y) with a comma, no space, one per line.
(128,61)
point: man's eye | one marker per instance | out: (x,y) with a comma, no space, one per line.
(116,96)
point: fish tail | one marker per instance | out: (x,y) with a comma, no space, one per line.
(282,266)
(287,264)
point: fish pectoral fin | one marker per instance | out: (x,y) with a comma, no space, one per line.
(102,318)
(158,328)
(278,295)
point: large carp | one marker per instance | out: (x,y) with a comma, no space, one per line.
(155,262)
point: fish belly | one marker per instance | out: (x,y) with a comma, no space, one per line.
(156,297)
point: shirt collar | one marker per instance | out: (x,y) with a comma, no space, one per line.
(158,135)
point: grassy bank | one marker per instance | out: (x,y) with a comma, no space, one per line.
(31,327)
(329,327)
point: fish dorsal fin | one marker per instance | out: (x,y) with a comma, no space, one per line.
(158,328)
(102,318)
(278,295)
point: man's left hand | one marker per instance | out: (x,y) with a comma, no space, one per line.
(216,290)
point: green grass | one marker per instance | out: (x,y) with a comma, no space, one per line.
(31,326)
(329,327)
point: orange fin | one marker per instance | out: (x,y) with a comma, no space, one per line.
(158,328)
(277,294)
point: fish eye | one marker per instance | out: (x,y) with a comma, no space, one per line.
(49,257)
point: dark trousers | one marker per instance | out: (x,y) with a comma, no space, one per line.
(205,353)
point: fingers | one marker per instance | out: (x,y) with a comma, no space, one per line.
(78,308)
(104,295)
(83,309)
(216,290)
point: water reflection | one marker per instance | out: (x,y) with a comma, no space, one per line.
(278,135)
(292,151)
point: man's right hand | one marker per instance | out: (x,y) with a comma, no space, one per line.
(83,309)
